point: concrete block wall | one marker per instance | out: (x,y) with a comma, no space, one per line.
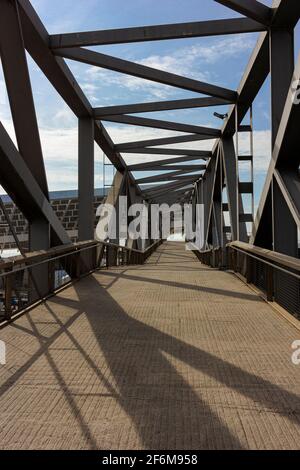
(66,210)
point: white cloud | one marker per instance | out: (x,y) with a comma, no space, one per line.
(262,149)
(185,61)
(3,96)
(64,118)
(60,149)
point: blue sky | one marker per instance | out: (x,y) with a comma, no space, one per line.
(219,60)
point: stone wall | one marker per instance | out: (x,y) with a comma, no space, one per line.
(66,210)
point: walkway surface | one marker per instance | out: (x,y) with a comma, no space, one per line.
(169,355)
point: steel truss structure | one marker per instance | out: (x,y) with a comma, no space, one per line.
(179,179)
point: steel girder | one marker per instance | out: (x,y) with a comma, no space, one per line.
(86,191)
(162,163)
(161,168)
(18,181)
(282,17)
(171,176)
(158,124)
(156,33)
(141,71)
(19,90)
(162,141)
(279,203)
(100,113)
(201,154)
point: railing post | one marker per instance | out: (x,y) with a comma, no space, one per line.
(107,256)
(249,265)
(8,297)
(51,280)
(234,261)
(270,283)
(78,265)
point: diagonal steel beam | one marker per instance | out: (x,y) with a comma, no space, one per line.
(166,187)
(162,141)
(164,197)
(167,195)
(284,156)
(155,33)
(19,90)
(174,168)
(164,177)
(160,163)
(36,39)
(250,8)
(158,124)
(286,14)
(141,71)
(100,113)
(289,184)
(19,183)
(201,154)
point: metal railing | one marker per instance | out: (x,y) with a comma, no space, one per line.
(24,281)
(277,276)
(213,258)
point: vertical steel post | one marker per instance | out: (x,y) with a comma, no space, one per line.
(86,179)
(285,237)
(8,296)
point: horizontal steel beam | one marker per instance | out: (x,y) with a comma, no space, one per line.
(141,71)
(168,193)
(201,154)
(145,165)
(100,113)
(250,8)
(155,33)
(167,187)
(163,177)
(158,124)
(176,193)
(168,177)
(171,168)
(162,141)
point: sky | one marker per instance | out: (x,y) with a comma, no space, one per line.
(217,60)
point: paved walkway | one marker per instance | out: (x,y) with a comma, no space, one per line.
(170,355)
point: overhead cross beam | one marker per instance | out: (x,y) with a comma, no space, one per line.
(201,154)
(250,8)
(162,141)
(167,187)
(156,33)
(100,113)
(161,163)
(163,195)
(158,124)
(165,177)
(141,71)
(190,168)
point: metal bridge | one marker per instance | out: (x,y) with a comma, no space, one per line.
(147,345)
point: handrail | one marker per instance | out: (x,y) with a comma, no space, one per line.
(60,267)
(273,256)
(39,257)
(63,250)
